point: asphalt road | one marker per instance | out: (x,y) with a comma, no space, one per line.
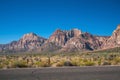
(64,73)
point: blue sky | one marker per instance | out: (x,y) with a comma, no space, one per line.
(43,17)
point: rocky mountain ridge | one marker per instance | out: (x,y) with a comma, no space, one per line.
(114,40)
(63,41)
(29,41)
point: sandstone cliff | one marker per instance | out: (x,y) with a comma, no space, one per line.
(63,41)
(114,40)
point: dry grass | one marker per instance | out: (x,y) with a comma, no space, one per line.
(35,61)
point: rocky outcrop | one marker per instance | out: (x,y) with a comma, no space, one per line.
(59,38)
(114,40)
(102,40)
(64,41)
(83,42)
(28,42)
(73,40)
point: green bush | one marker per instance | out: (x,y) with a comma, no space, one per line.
(99,62)
(1,66)
(116,61)
(89,63)
(41,64)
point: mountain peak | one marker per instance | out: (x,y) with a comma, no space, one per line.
(30,36)
(62,40)
(75,29)
(76,32)
(58,31)
(118,27)
(114,40)
(117,31)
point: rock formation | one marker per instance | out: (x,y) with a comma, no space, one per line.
(114,40)
(28,42)
(83,42)
(63,41)
(59,38)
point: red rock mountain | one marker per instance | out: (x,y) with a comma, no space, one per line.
(59,39)
(114,40)
(28,42)
(83,42)
(63,41)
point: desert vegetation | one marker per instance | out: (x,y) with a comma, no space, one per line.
(59,60)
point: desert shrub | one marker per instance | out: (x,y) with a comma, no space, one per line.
(106,63)
(89,63)
(78,62)
(85,62)
(60,64)
(81,63)
(68,63)
(6,62)
(74,63)
(116,61)
(19,64)
(41,64)
(99,62)
(1,66)
(111,56)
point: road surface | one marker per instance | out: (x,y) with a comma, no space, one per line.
(64,73)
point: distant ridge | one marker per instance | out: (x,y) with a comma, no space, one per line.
(63,41)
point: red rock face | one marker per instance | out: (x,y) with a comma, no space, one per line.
(27,42)
(114,40)
(64,41)
(30,41)
(59,39)
(83,42)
